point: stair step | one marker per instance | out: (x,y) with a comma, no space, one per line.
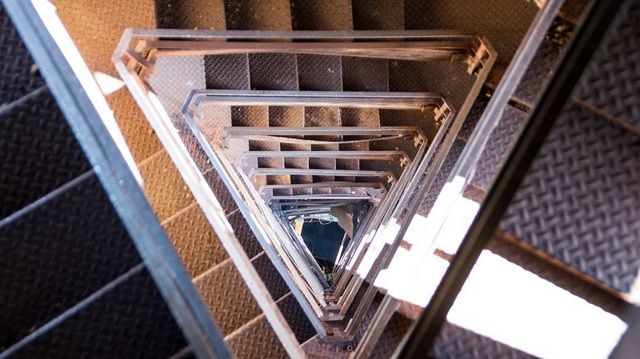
(589,172)
(130,319)
(321,15)
(38,152)
(378,14)
(199,14)
(67,245)
(227,72)
(258,14)
(19,74)
(195,241)
(504,22)
(244,234)
(255,340)
(164,186)
(227,297)
(457,342)
(270,276)
(296,318)
(135,128)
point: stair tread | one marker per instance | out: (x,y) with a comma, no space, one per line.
(198,14)
(67,247)
(256,340)
(581,199)
(378,14)
(321,15)
(227,297)
(195,241)
(166,190)
(258,15)
(244,234)
(19,75)
(504,22)
(457,342)
(135,128)
(38,152)
(129,320)
(270,276)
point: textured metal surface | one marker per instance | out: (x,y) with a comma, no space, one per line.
(318,72)
(501,141)
(245,236)
(130,321)
(321,15)
(458,343)
(258,14)
(18,74)
(357,74)
(195,241)
(378,14)
(542,65)
(96,26)
(86,21)
(256,340)
(296,318)
(164,186)
(227,72)
(198,14)
(137,132)
(38,152)
(556,272)
(393,333)
(317,348)
(611,83)
(68,247)
(270,276)
(580,200)
(474,115)
(441,177)
(449,80)
(227,297)
(220,191)
(503,22)
(273,72)
(174,79)
(253,116)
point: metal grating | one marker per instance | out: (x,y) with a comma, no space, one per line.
(38,152)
